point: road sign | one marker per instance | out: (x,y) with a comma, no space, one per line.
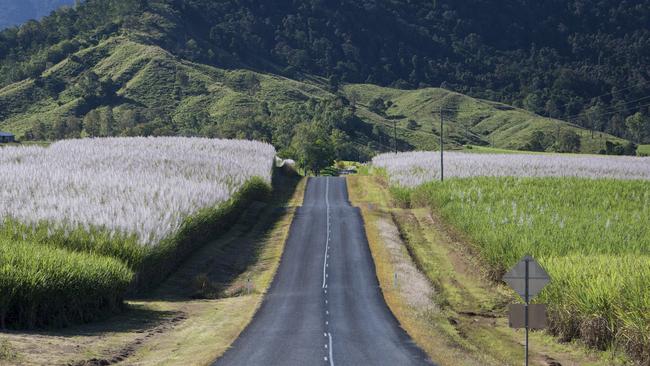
(527,278)
(536,316)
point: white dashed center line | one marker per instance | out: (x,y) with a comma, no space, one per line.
(328,346)
(327,242)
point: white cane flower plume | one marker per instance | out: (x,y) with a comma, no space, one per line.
(141,186)
(414,168)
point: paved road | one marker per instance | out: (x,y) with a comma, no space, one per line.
(325,306)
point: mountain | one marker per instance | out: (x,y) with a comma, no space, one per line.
(250,69)
(15,12)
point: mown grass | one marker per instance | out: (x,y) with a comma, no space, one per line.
(589,234)
(43,286)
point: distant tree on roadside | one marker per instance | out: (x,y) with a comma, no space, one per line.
(313,147)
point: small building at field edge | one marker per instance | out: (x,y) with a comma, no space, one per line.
(6,137)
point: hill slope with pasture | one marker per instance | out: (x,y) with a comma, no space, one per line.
(585,61)
(124,87)
(130,67)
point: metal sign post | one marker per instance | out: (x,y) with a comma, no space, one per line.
(527,278)
(442,149)
(527,300)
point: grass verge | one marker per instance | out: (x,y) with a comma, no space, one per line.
(467,323)
(585,232)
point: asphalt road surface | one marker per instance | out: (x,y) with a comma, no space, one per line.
(325,306)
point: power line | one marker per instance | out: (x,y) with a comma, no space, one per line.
(571,119)
(620,90)
(583,113)
(617,111)
(641,83)
(388,148)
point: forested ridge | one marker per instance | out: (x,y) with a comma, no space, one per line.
(585,61)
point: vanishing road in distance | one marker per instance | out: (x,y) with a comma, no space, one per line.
(325,306)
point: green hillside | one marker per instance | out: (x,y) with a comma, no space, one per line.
(121,86)
(138,77)
(580,60)
(467,120)
(279,74)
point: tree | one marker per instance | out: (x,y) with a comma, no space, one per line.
(192,49)
(60,127)
(552,109)
(40,131)
(181,83)
(73,127)
(354,98)
(91,123)
(638,126)
(614,148)
(569,142)
(128,120)
(107,124)
(534,103)
(376,132)
(538,142)
(313,147)
(89,85)
(412,125)
(334,83)
(378,106)
(343,148)
(596,119)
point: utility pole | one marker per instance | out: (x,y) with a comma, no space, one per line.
(395,134)
(442,149)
